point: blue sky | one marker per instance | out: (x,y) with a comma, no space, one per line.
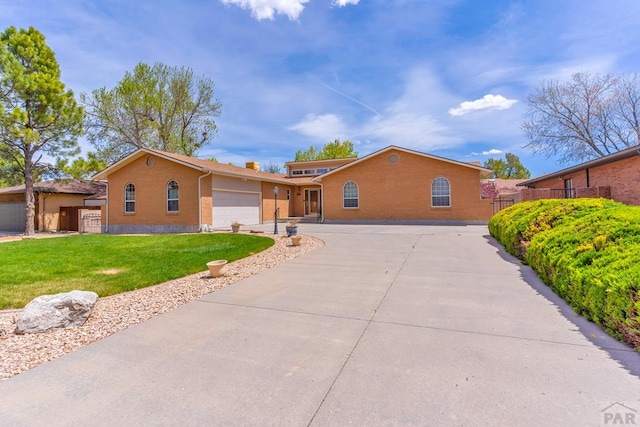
(446,77)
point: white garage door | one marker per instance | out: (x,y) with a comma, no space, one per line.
(229,206)
(12,216)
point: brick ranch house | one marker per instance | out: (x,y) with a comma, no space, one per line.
(616,176)
(60,205)
(151,191)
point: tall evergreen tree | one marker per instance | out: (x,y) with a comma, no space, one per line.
(38,116)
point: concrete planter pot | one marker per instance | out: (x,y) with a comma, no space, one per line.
(235,227)
(296,240)
(216,268)
(292,230)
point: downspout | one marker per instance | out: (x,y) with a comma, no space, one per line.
(200,199)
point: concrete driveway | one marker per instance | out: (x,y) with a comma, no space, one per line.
(385,325)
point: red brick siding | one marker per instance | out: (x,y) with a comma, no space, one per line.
(268,203)
(622,177)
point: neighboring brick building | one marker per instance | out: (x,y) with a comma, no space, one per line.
(616,176)
(155,191)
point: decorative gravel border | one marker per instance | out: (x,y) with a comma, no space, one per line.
(19,353)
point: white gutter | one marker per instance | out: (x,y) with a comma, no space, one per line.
(200,199)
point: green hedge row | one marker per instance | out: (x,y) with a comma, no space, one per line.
(586,250)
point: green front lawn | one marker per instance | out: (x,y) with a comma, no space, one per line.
(110,264)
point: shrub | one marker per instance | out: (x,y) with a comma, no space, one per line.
(586,250)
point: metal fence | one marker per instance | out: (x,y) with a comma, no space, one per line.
(499,204)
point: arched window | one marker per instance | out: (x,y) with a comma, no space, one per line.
(129,198)
(172,196)
(440,192)
(350,195)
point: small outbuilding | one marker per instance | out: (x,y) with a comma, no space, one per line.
(59,205)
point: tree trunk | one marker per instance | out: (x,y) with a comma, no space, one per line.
(29,229)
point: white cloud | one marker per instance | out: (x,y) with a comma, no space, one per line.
(411,130)
(488,153)
(415,119)
(408,121)
(342,3)
(324,128)
(412,120)
(266,9)
(487,102)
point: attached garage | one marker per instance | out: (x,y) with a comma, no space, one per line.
(12,216)
(230,206)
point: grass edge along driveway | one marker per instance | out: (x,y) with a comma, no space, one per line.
(111,264)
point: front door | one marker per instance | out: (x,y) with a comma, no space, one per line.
(311,202)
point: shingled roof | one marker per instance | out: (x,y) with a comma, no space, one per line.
(61,186)
(206,166)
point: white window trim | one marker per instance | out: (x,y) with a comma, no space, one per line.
(129,201)
(357,198)
(166,190)
(448,195)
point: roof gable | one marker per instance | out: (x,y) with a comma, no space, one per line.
(405,150)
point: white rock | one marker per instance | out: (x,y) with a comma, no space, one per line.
(56,311)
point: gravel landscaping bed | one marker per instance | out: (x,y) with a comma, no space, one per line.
(19,353)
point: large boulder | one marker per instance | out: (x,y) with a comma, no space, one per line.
(56,311)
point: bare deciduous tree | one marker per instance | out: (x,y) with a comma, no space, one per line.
(584,118)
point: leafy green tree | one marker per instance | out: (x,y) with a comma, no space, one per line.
(10,173)
(161,107)
(38,116)
(338,150)
(81,168)
(511,168)
(331,150)
(306,155)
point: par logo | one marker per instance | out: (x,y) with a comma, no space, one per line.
(619,414)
